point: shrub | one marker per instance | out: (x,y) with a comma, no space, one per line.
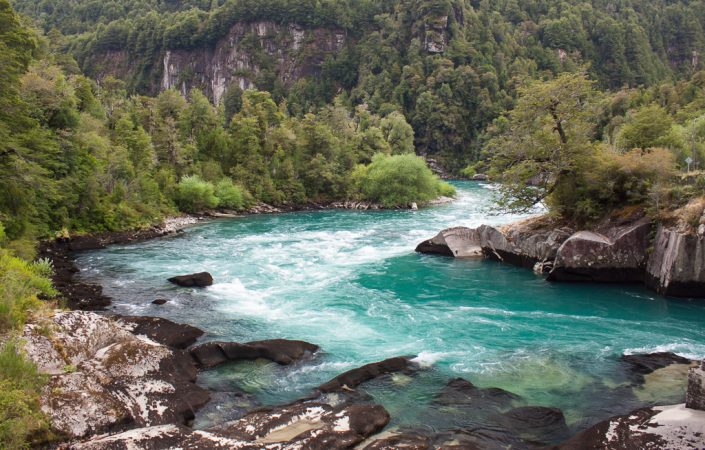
(229,195)
(399,180)
(194,195)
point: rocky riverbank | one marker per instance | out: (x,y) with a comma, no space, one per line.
(621,249)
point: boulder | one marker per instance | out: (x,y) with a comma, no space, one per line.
(459,242)
(667,427)
(281,351)
(353,378)
(523,243)
(297,426)
(695,394)
(159,301)
(406,441)
(676,266)
(460,392)
(619,255)
(480,177)
(163,331)
(104,378)
(645,363)
(201,279)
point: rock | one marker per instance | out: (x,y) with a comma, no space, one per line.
(104,378)
(480,177)
(460,392)
(406,441)
(459,242)
(537,423)
(413,206)
(159,301)
(297,426)
(676,266)
(163,331)
(353,378)
(522,243)
(667,427)
(281,351)
(201,279)
(618,256)
(643,364)
(695,394)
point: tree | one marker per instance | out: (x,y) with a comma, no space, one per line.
(540,146)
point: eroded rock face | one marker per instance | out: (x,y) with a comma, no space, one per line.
(297,426)
(281,351)
(458,242)
(200,279)
(677,265)
(619,256)
(522,245)
(695,394)
(667,427)
(104,378)
(297,52)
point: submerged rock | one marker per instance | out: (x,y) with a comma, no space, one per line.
(618,256)
(695,394)
(667,427)
(537,423)
(645,363)
(353,378)
(105,378)
(163,331)
(461,392)
(676,266)
(201,279)
(297,426)
(281,351)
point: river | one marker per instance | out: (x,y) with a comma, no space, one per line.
(350,282)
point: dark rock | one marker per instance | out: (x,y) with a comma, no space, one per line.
(676,266)
(459,242)
(281,351)
(163,331)
(406,441)
(618,255)
(160,301)
(643,364)
(695,394)
(201,279)
(460,392)
(353,378)
(537,423)
(661,427)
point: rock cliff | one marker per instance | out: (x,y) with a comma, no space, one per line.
(677,265)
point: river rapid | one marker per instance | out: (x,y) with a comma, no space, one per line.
(350,282)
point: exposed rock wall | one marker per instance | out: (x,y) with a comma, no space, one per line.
(677,265)
(292,51)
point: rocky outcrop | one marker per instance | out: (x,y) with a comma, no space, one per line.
(618,256)
(281,351)
(295,52)
(676,266)
(458,242)
(646,363)
(200,279)
(353,378)
(695,394)
(162,331)
(435,37)
(667,427)
(104,378)
(297,426)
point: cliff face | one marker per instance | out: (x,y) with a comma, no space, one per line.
(290,51)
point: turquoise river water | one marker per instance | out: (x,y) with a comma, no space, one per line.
(350,282)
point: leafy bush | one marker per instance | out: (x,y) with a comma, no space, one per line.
(399,180)
(194,195)
(229,195)
(20,386)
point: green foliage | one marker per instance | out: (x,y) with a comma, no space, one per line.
(195,195)
(230,196)
(399,180)
(20,386)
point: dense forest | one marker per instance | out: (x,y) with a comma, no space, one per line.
(449,66)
